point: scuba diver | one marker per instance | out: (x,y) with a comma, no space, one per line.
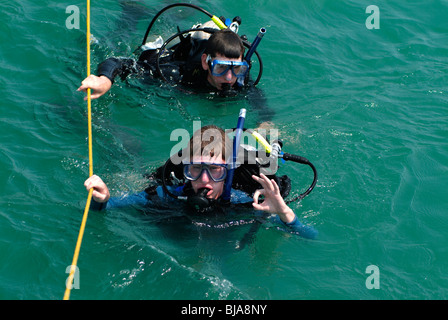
(207,181)
(207,58)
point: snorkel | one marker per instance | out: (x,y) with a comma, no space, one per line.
(254,45)
(232,166)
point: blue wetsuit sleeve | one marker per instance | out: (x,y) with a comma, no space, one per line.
(298,227)
(138,200)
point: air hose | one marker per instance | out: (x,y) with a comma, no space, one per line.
(215,19)
(275,151)
(298,159)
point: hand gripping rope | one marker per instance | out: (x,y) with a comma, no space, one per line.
(89,198)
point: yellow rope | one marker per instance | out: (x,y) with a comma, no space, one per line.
(89,198)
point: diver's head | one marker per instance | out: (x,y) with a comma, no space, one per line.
(223,59)
(206,167)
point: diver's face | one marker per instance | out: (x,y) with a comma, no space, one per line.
(204,180)
(228,77)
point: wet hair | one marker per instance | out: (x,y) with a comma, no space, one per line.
(225,42)
(210,141)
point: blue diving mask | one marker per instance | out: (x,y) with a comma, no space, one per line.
(217,172)
(221,67)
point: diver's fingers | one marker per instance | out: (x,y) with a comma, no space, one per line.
(92,182)
(275,185)
(94,96)
(87,83)
(100,191)
(257,194)
(98,85)
(100,196)
(266,183)
(257,206)
(262,179)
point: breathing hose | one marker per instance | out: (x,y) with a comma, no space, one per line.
(302,160)
(215,19)
(274,151)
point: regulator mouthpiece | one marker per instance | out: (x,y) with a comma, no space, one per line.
(227,90)
(199,201)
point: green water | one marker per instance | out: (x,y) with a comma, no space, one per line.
(367,106)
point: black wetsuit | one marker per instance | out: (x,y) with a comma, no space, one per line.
(188,73)
(181,67)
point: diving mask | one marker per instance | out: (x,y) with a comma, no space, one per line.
(219,68)
(217,172)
